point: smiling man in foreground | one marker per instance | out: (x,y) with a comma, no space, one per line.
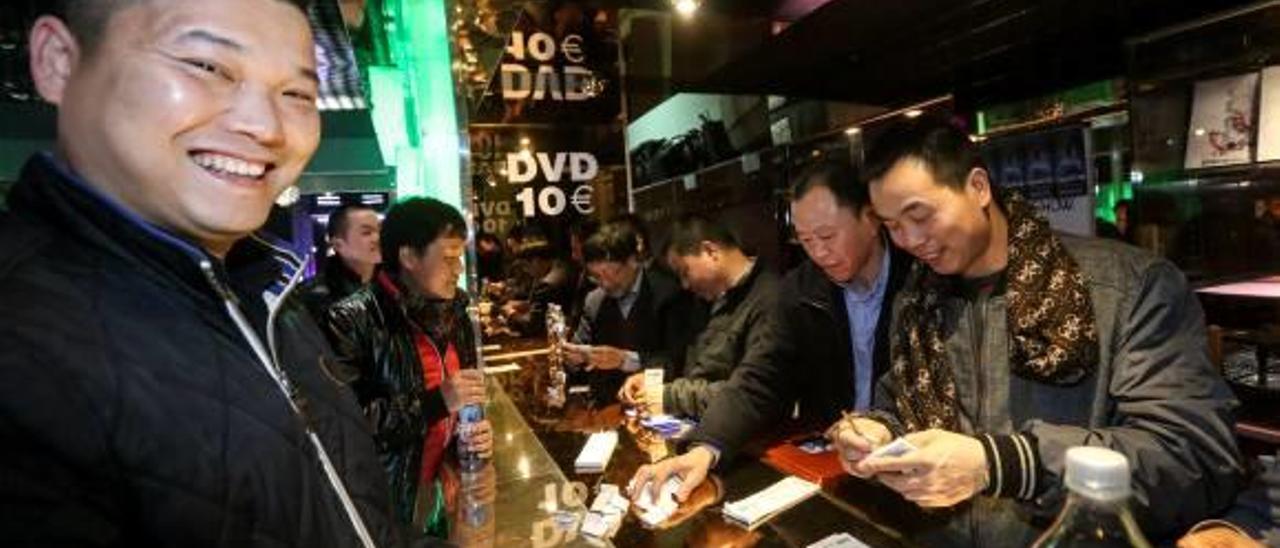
(160,385)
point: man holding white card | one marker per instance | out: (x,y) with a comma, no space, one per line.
(732,320)
(1017,343)
(632,319)
(830,340)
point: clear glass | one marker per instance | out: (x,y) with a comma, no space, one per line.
(1089,523)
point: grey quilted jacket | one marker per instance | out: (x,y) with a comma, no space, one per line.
(1154,396)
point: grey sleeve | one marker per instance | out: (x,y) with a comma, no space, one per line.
(689,397)
(693,396)
(1172,413)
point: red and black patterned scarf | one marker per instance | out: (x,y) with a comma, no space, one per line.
(1053,332)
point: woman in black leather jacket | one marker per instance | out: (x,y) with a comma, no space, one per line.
(410,349)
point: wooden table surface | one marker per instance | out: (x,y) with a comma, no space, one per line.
(531,496)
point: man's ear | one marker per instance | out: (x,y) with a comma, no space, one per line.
(979,182)
(55,52)
(408,257)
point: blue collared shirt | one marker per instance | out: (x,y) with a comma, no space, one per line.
(863,305)
(625,301)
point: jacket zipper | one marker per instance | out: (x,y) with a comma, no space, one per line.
(267,357)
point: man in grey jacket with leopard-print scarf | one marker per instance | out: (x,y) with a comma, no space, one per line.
(1012,343)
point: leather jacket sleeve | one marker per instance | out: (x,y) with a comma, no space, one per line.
(360,343)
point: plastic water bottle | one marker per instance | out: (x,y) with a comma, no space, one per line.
(468,416)
(1096,514)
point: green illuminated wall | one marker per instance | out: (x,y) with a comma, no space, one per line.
(409,72)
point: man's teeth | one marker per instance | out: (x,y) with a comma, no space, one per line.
(226,164)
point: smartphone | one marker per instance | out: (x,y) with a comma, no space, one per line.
(814,444)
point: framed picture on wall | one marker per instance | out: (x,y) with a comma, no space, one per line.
(1269,116)
(1221,131)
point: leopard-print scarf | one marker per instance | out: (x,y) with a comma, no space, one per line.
(1050,319)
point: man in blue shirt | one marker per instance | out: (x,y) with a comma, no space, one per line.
(831,333)
(632,319)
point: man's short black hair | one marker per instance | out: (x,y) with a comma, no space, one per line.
(87,19)
(416,223)
(615,241)
(691,230)
(640,229)
(340,219)
(946,151)
(838,177)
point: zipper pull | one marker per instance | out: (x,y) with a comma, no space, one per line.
(211,275)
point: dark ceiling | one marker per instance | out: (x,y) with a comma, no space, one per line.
(736,8)
(982,51)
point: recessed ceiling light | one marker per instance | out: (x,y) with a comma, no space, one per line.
(686,7)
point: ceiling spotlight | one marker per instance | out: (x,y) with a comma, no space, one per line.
(913,113)
(853,131)
(686,7)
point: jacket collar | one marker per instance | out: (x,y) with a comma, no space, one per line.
(740,289)
(49,191)
(817,289)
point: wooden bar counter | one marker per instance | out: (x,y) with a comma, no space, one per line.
(531,496)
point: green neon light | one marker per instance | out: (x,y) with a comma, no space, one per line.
(386,89)
(432,124)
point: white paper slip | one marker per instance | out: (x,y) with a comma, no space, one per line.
(504,368)
(653,379)
(610,500)
(750,512)
(598,525)
(596,453)
(595,524)
(839,540)
(895,448)
(655,511)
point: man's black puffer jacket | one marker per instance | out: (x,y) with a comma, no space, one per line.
(134,410)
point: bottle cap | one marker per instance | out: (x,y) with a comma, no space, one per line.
(1097,473)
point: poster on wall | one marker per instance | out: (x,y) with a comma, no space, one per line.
(544,177)
(558,64)
(1221,129)
(1269,116)
(1051,169)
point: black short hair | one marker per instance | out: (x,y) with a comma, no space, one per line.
(691,230)
(88,18)
(946,151)
(416,223)
(640,229)
(838,177)
(535,247)
(340,219)
(615,241)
